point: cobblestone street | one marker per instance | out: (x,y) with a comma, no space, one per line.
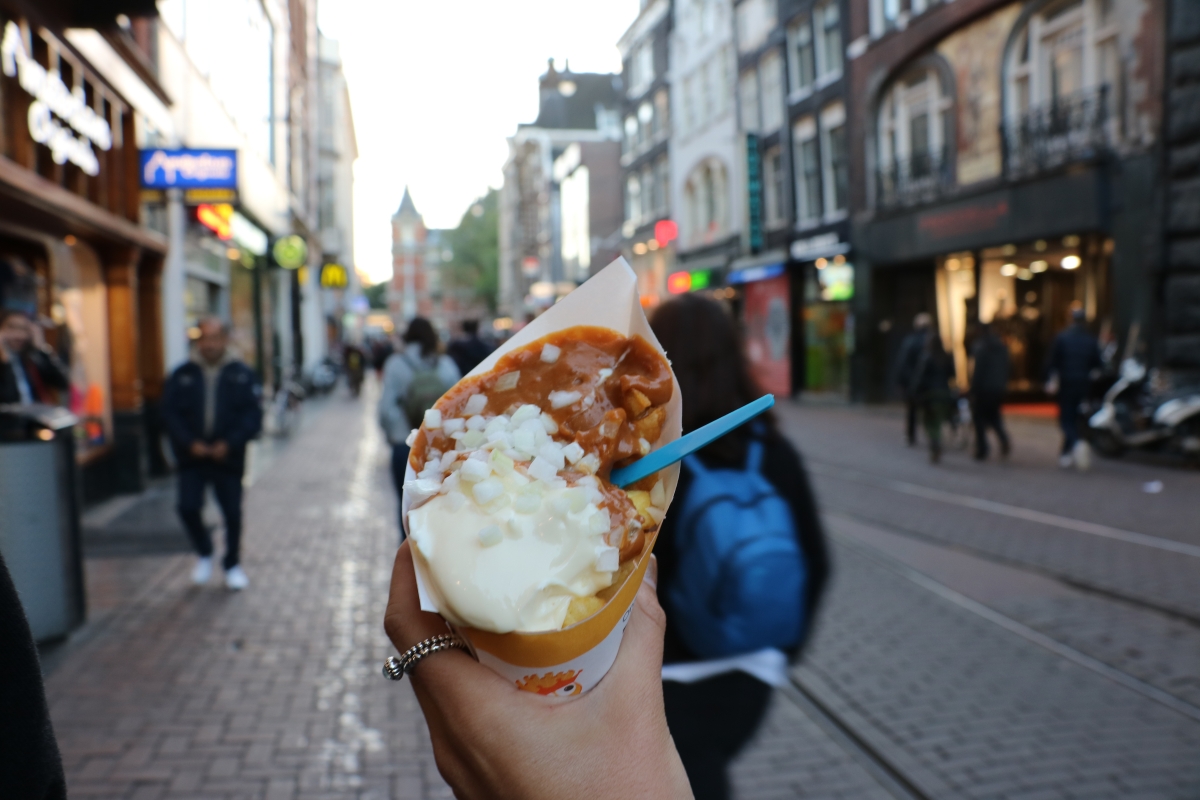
(962,652)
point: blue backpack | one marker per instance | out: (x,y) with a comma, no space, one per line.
(741,578)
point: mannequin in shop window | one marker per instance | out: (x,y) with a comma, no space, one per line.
(29,370)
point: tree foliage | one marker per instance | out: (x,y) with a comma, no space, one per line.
(377,295)
(475,244)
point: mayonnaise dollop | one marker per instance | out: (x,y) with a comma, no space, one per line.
(514,564)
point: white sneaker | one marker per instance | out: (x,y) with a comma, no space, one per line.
(1083,456)
(202,572)
(1066,461)
(235,579)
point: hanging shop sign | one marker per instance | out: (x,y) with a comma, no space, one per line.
(753,274)
(53,104)
(290,252)
(183,168)
(754,206)
(217,217)
(819,246)
(334,276)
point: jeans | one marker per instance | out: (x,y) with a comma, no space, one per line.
(227,486)
(710,721)
(911,407)
(399,461)
(1069,399)
(987,415)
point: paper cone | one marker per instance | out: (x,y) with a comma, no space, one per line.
(572,660)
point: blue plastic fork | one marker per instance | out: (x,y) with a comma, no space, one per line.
(685,445)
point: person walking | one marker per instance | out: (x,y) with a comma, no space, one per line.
(931,388)
(1073,356)
(719,671)
(468,350)
(413,380)
(907,360)
(30,372)
(989,384)
(212,408)
(355,362)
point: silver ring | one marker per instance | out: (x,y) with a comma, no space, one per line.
(396,668)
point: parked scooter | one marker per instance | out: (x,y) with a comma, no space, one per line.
(1134,415)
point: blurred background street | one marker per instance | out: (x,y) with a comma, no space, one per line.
(246,244)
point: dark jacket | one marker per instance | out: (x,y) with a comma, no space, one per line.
(933,375)
(43,372)
(468,352)
(238,417)
(1074,355)
(783,467)
(909,358)
(30,765)
(990,378)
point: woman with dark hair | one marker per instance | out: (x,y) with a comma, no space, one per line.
(931,387)
(714,707)
(413,380)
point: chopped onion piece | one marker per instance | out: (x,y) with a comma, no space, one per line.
(525,412)
(474,470)
(476,423)
(433,419)
(508,381)
(453,425)
(590,463)
(542,470)
(475,405)
(658,495)
(573,452)
(487,491)
(599,522)
(550,353)
(422,489)
(560,505)
(496,424)
(501,464)
(472,439)
(564,399)
(608,559)
(491,536)
(549,424)
(643,447)
(655,514)
(553,452)
(451,483)
(577,499)
(412,437)
(523,441)
(448,459)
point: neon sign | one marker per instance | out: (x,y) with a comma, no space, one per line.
(217,218)
(53,99)
(189,169)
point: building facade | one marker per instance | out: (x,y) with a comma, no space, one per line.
(573,108)
(1007,169)
(649,232)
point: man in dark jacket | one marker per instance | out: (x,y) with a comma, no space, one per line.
(468,350)
(212,409)
(989,384)
(1075,353)
(29,370)
(911,348)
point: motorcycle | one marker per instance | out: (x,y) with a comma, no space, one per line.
(1137,413)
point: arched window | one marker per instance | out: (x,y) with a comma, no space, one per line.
(1062,79)
(706,203)
(914,137)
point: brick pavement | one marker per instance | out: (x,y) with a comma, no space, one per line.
(966,709)
(870,444)
(275,693)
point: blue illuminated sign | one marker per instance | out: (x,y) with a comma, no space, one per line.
(189,169)
(751,274)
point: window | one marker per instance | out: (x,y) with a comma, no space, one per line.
(829,42)
(662,110)
(755,21)
(641,67)
(704,198)
(914,121)
(650,198)
(748,97)
(835,169)
(801,44)
(808,171)
(771,70)
(774,187)
(645,115)
(631,134)
(662,172)
(633,199)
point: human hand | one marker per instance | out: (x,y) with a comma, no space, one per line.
(219,450)
(200,450)
(492,740)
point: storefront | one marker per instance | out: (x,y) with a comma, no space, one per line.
(652,260)
(74,253)
(825,277)
(1020,257)
(764,301)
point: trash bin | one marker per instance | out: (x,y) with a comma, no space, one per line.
(39,516)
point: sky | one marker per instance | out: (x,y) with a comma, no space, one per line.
(436,87)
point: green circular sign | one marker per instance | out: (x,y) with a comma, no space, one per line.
(290,252)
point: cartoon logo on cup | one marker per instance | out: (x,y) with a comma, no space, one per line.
(557,684)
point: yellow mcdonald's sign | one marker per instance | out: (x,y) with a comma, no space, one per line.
(334,276)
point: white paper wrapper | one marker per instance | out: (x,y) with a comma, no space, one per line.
(572,660)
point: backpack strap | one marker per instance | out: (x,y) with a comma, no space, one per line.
(694,463)
(754,455)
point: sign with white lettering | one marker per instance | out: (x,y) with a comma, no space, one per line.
(54,103)
(189,169)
